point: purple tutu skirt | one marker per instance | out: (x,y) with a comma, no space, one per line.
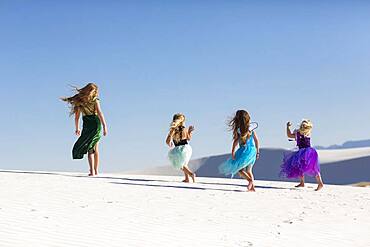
(296,164)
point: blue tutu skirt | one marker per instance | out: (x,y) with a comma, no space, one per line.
(296,164)
(244,156)
(180,156)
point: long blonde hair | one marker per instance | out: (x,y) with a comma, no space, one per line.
(306,127)
(84,95)
(177,127)
(239,125)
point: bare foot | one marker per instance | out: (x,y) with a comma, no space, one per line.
(193,177)
(299,185)
(90,175)
(319,187)
(185,181)
(96,173)
(251,189)
(250,185)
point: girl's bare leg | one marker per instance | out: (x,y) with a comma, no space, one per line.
(251,182)
(301,183)
(186,180)
(96,159)
(90,157)
(191,174)
(243,174)
(320,184)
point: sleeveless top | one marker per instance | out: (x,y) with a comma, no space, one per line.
(303,141)
(182,141)
(89,108)
(248,142)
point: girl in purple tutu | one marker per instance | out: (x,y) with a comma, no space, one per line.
(305,161)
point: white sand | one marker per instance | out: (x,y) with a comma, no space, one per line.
(66,209)
(335,155)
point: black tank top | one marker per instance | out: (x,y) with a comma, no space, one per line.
(182,141)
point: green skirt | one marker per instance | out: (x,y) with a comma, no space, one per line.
(89,137)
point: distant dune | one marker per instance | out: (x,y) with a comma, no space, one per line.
(348,144)
(342,166)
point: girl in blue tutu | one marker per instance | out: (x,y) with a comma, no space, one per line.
(305,161)
(242,161)
(178,140)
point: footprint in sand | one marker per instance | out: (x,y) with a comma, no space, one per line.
(244,244)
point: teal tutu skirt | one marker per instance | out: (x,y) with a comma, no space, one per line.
(244,156)
(180,156)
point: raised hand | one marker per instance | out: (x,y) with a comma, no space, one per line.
(78,132)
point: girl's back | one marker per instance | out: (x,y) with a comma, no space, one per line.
(249,142)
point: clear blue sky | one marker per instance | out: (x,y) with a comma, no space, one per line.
(280,60)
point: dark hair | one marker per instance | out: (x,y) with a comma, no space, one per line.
(239,125)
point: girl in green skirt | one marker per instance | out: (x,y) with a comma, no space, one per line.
(86,102)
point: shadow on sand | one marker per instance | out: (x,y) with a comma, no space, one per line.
(143,181)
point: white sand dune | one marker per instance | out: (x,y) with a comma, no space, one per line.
(335,155)
(70,209)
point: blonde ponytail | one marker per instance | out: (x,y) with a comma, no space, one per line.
(177,126)
(306,127)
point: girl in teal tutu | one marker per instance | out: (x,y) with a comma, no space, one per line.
(86,102)
(178,140)
(242,161)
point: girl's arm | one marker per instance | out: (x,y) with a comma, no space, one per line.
(190,133)
(169,139)
(235,143)
(257,143)
(288,131)
(101,117)
(77,122)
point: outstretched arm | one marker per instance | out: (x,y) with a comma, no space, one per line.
(189,133)
(257,143)
(288,131)
(77,122)
(101,117)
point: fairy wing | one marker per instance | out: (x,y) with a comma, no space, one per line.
(253,126)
